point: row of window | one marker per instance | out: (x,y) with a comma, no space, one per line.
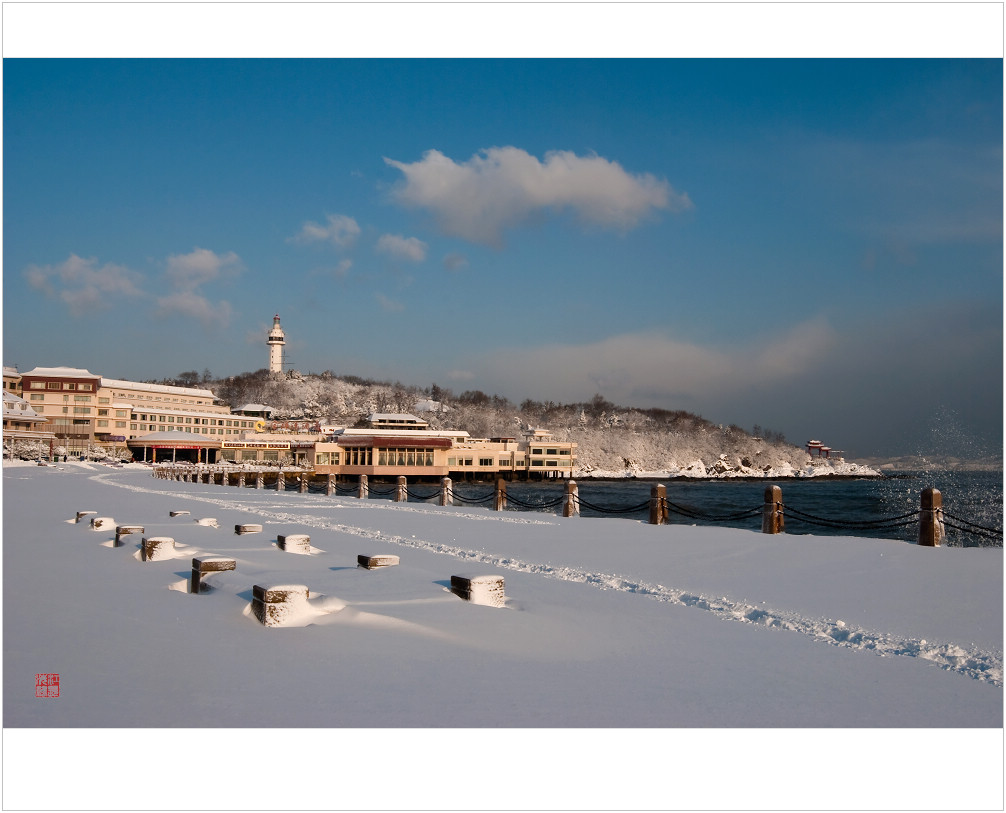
(551,451)
(153,427)
(200,421)
(60,385)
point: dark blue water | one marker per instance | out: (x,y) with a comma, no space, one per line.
(969,499)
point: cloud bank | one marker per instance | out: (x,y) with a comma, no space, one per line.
(339,230)
(82,284)
(403,248)
(186,273)
(501,187)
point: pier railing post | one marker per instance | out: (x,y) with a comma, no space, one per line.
(260,479)
(500,502)
(330,485)
(571,500)
(400,490)
(931,529)
(364,490)
(303,483)
(445,491)
(658,504)
(281,481)
(772,519)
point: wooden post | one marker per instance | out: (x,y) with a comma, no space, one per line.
(931,529)
(658,504)
(500,503)
(364,490)
(330,485)
(571,501)
(772,519)
(400,493)
(445,491)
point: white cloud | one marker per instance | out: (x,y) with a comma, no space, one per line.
(389,305)
(405,248)
(504,186)
(193,305)
(339,230)
(455,261)
(651,368)
(188,271)
(82,284)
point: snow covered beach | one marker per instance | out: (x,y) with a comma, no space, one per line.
(607,623)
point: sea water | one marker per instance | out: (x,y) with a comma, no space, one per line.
(970,498)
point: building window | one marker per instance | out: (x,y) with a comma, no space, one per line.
(132,427)
(85,387)
(121,413)
(104,400)
(82,410)
(52,385)
(485,461)
(103,412)
(102,423)
(69,386)
(120,424)
(37,396)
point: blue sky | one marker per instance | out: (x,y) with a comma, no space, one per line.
(814,246)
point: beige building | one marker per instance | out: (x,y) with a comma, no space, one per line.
(88,410)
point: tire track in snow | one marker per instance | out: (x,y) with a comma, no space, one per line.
(978,664)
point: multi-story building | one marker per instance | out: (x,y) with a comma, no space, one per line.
(21,423)
(66,397)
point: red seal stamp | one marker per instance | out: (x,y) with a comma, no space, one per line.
(47,685)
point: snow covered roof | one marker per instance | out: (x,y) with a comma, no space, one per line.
(15,407)
(60,372)
(177,437)
(400,417)
(164,388)
(254,408)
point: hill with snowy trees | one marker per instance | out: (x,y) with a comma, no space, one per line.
(613,441)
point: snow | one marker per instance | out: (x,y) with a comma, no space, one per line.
(653,663)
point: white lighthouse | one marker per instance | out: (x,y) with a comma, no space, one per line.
(276,341)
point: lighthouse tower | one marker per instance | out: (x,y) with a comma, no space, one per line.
(276,341)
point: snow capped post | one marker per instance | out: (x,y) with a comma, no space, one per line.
(931,529)
(205,565)
(500,502)
(571,500)
(772,520)
(485,590)
(276,604)
(330,485)
(260,479)
(400,491)
(241,479)
(658,504)
(123,530)
(303,483)
(157,548)
(445,491)
(281,480)
(364,490)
